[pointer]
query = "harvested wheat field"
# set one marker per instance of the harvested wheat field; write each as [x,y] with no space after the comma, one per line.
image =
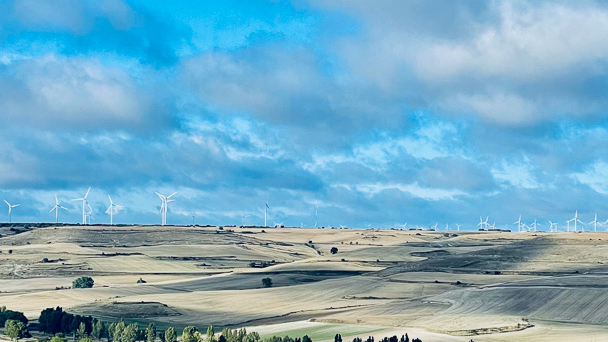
[485,286]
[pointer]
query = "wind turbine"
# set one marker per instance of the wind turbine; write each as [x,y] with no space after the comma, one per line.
[56,208]
[266,207]
[595,223]
[89,215]
[552,225]
[434,227]
[447,227]
[113,207]
[457,227]
[278,225]
[575,220]
[480,224]
[10,210]
[491,226]
[404,225]
[164,206]
[84,200]
[518,223]
[534,225]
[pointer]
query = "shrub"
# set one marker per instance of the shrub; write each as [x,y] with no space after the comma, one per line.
[267,282]
[141,281]
[334,250]
[15,329]
[83,283]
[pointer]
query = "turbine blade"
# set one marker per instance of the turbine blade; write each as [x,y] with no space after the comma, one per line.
[7,203]
[172,195]
[16,205]
[54,208]
[87,194]
[110,199]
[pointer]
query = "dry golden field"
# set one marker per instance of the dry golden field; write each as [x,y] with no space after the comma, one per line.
[485,286]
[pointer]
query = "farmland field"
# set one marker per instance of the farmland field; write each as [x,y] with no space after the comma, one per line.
[485,286]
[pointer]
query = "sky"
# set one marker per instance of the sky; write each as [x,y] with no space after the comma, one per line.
[382,112]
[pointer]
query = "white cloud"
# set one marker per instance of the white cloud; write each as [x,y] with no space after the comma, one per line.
[595,176]
[414,189]
[518,174]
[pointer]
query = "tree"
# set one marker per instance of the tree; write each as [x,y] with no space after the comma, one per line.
[119,330]
[151,333]
[97,329]
[253,337]
[267,282]
[15,329]
[81,332]
[189,334]
[170,335]
[58,338]
[83,283]
[306,339]
[334,250]
[85,339]
[338,338]
[111,329]
[130,333]
[10,314]
[210,334]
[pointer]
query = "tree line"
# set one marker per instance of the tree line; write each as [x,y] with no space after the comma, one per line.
[60,324]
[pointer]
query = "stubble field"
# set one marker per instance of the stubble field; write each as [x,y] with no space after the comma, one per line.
[439,286]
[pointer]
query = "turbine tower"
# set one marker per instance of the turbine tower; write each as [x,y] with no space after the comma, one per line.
[518,223]
[10,210]
[595,223]
[84,201]
[163,208]
[56,208]
[111,209]
[575,220]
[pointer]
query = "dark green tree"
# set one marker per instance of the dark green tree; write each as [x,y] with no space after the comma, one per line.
[83,283]
[267,282]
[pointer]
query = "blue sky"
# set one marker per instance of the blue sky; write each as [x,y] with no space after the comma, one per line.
[383,111]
